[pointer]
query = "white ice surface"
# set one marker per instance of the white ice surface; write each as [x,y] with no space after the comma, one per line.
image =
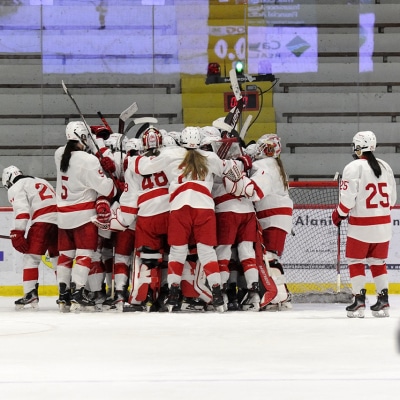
[311,352]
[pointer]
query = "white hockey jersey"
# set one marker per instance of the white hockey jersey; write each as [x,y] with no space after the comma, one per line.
[152,192]
[78,188]
[274,207]
[183,191]
[368,201]
[32,199]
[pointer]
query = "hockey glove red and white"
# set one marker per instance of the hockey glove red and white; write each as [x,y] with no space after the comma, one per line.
[103,210]
[108,164]
[18,241]
[337,218]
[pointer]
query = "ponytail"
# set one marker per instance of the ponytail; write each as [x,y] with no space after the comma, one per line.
[282,173]
[194,165]
[373,163]
[69,148]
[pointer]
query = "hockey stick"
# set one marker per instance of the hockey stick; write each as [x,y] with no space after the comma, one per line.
[132,109]
[4,237]
[245,127]
[67,92]
[234,114]
[139,121]
[338,276]
[104,121]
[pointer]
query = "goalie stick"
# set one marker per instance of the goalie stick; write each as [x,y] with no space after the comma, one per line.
[234,114]
[132,109]
[139,121]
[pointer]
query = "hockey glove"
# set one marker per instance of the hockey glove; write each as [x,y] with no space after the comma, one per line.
[108,164]
[337,218]
[103,210]
[247,162]
[117,221]
[18,241]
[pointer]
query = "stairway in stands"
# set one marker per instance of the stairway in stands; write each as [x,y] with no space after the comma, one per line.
[201,103]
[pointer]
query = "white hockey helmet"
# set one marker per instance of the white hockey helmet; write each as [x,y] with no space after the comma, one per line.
[364,141]
[209,134]
[191,137]
[116,141]
[135,145]
[9,175]
[76,130]
[169,141]
[175,135]
[269,145]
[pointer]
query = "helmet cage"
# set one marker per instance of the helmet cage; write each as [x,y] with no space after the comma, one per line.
[269,145]
[76,130]
[152,138]
[363,141]
[9,175]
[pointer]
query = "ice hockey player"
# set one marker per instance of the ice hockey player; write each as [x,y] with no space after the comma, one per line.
[267,186]
[33,200]
[367,194]
[82,191]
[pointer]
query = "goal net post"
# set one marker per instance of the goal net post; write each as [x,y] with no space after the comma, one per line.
[313,259]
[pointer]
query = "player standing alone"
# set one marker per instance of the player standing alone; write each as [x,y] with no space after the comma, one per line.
[33,200]
[367,194]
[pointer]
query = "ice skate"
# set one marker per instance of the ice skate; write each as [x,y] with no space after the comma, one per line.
[173,297]
[119,300]
[64,298]
[281,306]
[251,302]
[357,309]
[218,299]
[99,297]
[149,304]
[80,300]
[193,304]
[381,307]
[115,303]
[31,298]
[233,301]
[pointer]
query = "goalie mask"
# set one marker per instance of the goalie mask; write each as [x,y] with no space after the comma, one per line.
[9,175]
[152,138]
[191,137]
[76,130]
[364,141]
[268,145]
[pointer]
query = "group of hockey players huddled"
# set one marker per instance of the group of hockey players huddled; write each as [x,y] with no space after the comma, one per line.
[164,221]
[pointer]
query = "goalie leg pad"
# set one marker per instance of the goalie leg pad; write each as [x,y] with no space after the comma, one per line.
[283,296]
